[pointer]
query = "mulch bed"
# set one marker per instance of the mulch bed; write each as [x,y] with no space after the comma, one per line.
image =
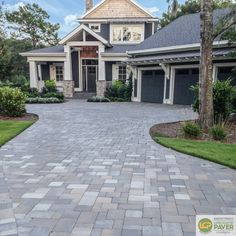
[25,117]
[173,130]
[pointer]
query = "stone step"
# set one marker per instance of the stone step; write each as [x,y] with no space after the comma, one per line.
[83,95]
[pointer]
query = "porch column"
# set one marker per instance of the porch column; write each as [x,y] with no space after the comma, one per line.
[40,77]
[33,74]
[68,87]
[101,83]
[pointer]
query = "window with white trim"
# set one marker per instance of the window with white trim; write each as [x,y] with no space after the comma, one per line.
[122,73]
[59,73]
[127,33]
[95,27]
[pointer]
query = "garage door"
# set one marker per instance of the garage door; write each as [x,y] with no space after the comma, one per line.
[184,79]
[152,86]
[225,73]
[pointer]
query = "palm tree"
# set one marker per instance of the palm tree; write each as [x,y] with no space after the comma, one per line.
[173,7]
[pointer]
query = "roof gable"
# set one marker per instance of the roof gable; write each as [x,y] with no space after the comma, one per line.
[78,30]
[116,9]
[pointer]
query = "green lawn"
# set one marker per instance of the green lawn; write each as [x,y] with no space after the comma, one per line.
[10,129]
[220,153]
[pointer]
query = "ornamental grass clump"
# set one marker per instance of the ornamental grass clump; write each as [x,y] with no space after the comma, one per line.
[191,130]
[218,132]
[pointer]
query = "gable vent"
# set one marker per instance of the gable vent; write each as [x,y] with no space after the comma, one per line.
[89,5]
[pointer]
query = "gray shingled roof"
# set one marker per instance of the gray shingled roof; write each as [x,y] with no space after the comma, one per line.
[184,30]
[120,48]
[54,49]
[178,56]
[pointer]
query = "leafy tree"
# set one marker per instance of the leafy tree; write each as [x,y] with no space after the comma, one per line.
[190,7]
[31,22]
[224,28]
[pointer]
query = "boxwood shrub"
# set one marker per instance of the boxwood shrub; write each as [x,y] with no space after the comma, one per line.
[12,102]
[98,99]
[41,100]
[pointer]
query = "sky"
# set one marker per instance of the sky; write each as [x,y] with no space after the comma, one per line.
[66,12]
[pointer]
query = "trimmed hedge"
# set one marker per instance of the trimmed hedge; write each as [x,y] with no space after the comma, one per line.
[41,100]
[98,99]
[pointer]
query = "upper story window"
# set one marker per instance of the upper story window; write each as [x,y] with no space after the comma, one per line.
[127,33]
[95,27]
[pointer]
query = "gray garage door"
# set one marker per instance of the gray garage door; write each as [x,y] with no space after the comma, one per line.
[225,73]
[153,86]
[184,79]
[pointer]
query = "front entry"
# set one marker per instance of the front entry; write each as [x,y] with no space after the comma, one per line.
[90,72]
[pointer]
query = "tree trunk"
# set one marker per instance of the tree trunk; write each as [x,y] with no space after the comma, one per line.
[206,66]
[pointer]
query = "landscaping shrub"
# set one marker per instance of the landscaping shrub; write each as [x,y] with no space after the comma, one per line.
[98,99]
[120,91]
[41,100]
[233,100]
[191,130]
[32,93]
[58,95]
[12,102]
[49,86]
[222,99]
[218,132]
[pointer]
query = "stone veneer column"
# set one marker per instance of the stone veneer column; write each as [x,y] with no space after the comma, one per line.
[68,88]
[102,86]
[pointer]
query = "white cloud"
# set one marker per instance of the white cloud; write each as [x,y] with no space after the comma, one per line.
[13,7]
[71,20]
[153,10]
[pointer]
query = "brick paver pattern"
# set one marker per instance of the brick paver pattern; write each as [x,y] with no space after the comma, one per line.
[92,169]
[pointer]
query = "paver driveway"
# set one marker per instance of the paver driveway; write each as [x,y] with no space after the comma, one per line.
[92,169]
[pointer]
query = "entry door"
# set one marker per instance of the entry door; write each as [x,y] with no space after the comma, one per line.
[90,71]
[91,78]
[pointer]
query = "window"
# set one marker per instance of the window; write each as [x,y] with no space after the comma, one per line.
[95,27]
[122,73]
[59,73]
[127,33]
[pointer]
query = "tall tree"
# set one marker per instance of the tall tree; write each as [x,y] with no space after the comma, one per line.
[192,6]
[173,7]
[206,115]
[31,22]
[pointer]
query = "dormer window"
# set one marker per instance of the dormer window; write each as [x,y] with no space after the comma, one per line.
[127,33]
[95,27]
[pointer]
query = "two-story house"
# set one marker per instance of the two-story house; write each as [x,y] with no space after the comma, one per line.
[90,57]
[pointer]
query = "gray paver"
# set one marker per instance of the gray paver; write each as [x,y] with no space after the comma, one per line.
[93,169]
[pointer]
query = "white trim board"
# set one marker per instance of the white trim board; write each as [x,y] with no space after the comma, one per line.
[27,54]
[185,47]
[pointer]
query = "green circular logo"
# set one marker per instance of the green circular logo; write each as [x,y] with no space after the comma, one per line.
[205,225]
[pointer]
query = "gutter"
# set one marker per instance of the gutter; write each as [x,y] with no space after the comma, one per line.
[26,54]
[181,48]
[114,54]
